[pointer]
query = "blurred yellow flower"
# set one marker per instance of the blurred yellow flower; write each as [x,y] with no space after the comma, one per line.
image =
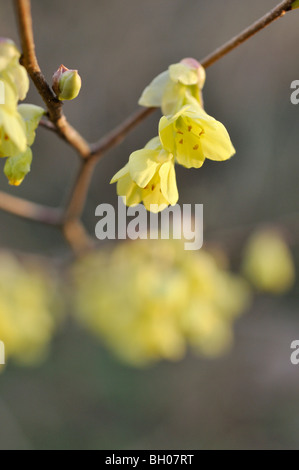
[268,262]
[29,310]
[148,300]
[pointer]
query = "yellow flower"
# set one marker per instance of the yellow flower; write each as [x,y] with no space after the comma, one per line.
[180,85]
[149,177]
[193,136]
[268,263]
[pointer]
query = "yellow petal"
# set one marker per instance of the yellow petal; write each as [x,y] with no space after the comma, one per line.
[189,152]
[153,144]
[168,183]
[184,74]
[120,174]
[16,168]
[215,142]
[154,201]
[129,190]
[31,115]
[167,136]
[152,95]
[143,165]
[173,98]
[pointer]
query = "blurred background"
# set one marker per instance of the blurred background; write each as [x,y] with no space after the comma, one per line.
[81,395]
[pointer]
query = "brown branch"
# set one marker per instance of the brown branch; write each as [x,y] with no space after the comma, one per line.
[77,237]
[79,193]
[256,27]
[30,62]
[29,210]
[116,136]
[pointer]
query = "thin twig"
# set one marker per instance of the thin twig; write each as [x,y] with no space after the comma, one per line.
[30,62]
[30,210]
[48,125]
[77,237]
[78,196]
[116,137]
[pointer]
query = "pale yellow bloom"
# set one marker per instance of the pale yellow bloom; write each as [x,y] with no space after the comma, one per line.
[31,115]
[149,177]
[193,136]
[268,262]
[180,85]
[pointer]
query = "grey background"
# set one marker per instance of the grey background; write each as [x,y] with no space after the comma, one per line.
[82,397]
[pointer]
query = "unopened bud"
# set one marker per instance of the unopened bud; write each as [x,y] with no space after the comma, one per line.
[66,83]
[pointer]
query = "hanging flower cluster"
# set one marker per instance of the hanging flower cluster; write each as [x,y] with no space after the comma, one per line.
[17,122]
[30,309]
[150,301]
[187,136]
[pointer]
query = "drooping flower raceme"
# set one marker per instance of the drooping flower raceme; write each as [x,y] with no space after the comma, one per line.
[17,123]
[187,136]
[30,309]
[151,300]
